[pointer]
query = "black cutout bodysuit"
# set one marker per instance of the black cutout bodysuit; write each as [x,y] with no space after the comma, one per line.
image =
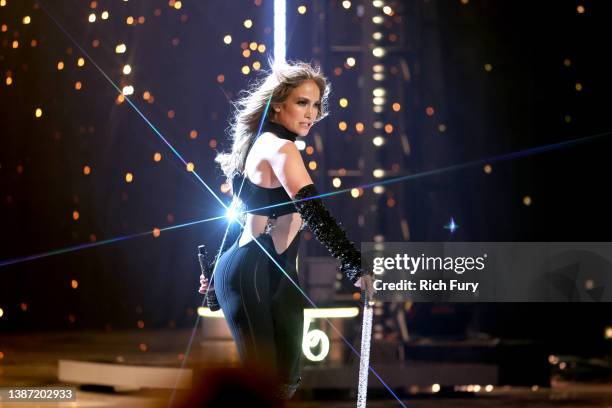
[263,308]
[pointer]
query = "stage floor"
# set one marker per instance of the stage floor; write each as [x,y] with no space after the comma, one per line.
[31,359]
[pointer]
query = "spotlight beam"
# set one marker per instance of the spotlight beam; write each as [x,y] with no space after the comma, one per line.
[79,247]
[499,158]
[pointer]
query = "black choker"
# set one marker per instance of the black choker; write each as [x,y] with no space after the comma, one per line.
[279,130]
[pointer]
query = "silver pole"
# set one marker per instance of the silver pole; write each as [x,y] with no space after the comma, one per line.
[364,361]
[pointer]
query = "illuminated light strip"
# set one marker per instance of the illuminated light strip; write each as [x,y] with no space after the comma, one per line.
[309,313]
[99,243]
[280,21]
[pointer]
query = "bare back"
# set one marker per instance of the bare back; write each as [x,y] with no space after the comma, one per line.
[274,162]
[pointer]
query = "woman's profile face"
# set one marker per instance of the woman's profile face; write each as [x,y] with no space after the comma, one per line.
[301,108]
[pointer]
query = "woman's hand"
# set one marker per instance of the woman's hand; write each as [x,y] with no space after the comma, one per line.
[367,282]
[203,284]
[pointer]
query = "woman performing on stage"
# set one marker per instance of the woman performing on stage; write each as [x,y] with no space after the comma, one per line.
[263,308]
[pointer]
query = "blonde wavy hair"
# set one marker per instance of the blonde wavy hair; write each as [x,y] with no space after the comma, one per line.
[275,86]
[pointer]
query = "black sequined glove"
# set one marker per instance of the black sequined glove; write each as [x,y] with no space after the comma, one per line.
[207,266]
[328,231]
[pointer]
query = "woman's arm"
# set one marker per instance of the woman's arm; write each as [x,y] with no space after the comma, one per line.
[290,170]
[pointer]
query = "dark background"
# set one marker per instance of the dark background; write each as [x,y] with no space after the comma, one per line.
[528,99]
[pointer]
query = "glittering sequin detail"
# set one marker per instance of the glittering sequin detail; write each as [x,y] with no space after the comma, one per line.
[208,266]
[328,231]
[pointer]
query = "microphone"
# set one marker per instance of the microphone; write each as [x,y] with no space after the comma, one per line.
[207,269]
